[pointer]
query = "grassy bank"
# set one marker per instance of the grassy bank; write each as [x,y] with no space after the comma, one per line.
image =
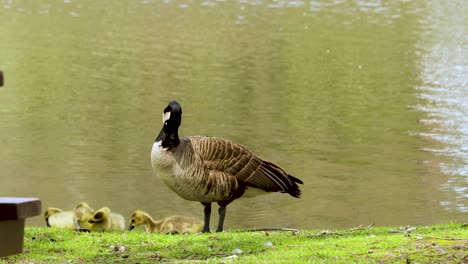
[429,244]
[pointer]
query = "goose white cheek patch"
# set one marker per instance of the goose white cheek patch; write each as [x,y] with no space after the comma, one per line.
[166,117]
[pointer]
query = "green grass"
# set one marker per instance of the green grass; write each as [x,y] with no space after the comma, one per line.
[428,244]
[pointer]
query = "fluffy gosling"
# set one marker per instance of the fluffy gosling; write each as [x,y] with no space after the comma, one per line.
[74,220]
[169,225]
[81,216]
[55,217]
[84,218]
[104,220]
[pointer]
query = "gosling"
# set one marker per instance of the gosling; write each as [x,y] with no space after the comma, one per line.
[81,216]
[84,218]
[55,217]
[170,225]
[74,220]
[104,220]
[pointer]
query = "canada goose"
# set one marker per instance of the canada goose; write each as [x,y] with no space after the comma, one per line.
[210,169]
[104,220]
[169,225]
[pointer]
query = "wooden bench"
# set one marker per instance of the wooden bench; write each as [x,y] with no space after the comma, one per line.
[13,213]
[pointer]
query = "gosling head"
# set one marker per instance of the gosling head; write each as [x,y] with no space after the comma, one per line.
[50,211]
[83,212]
[172,117]
[138,218]
[82,205]
[100,215]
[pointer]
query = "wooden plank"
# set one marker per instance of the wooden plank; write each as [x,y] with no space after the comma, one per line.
[13,213]
[13,208]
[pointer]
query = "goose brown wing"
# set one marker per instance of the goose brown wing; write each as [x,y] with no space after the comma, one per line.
[223,155]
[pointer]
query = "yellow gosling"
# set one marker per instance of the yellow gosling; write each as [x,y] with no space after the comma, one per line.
[140,218]
[50,211]
[104,220]
[82,214]
[84,218]
[181,225]
[169,225]
[76,219]
[57,218]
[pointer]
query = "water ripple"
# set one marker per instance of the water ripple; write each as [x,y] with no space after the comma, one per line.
[444,90]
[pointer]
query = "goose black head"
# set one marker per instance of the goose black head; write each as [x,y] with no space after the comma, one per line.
[172,117]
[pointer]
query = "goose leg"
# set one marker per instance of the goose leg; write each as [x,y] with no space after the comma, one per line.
[207,212]
[222,214]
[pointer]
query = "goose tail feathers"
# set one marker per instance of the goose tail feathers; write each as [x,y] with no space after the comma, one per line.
[272,178]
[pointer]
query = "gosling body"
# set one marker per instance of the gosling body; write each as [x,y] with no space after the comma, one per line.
[57,218]
[104,220]
[84,218]
[175,224]
[74,220]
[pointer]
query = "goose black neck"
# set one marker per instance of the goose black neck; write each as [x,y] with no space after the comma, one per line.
[172,117]
[168,140]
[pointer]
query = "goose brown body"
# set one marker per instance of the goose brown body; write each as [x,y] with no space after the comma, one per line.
[211,169]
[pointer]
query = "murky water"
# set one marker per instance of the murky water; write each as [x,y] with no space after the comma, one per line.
[364,101]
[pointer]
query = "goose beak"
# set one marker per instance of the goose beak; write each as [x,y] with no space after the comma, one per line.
[130,228]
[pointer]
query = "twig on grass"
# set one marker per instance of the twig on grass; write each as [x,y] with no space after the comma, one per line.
[329,232]
[273,229]
[444,238]
[361,227]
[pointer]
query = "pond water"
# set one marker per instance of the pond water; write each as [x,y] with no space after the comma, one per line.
[365,101]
